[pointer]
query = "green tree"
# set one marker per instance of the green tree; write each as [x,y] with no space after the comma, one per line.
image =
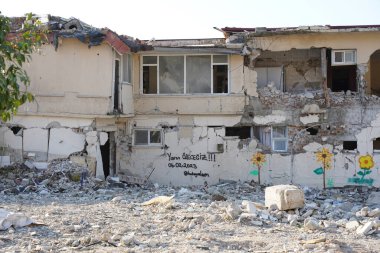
[16,48]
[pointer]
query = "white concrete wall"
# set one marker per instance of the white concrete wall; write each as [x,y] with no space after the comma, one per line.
[235,162]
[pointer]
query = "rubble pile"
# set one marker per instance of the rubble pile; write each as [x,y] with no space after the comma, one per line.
[61,175]
[228,217]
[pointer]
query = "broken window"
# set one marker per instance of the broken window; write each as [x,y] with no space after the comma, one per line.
[198,74]
[147,137]
[243,132]
[150,74]
[350,145]
[376,144]
[187,74]
[116,86]
[127,68]
[341,72]
[275,137]
[269,75]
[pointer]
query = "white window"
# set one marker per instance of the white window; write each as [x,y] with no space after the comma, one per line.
[147,137]
[185,74]
[274,137]
[279,139]
[343,57]
[127,68]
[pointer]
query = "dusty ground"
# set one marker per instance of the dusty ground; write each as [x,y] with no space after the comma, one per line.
[112,219]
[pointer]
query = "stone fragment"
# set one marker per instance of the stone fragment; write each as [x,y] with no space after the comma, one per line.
[233,211]
[352,225]
[249,206]
[374,213]
[373,198]
[218,197]
[312,224]
[285,197]
[158,200]
[363,230]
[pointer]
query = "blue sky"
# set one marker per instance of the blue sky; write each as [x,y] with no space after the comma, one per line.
[175,19]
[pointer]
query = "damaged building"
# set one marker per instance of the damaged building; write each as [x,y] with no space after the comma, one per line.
[192,112]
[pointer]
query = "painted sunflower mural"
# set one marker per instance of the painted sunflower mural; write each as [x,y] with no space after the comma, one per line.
[323,156]
[258,160]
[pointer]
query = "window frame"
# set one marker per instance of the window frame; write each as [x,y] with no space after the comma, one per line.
[344,51]
[123,81]
[149,144]
[157,65]
[280,139]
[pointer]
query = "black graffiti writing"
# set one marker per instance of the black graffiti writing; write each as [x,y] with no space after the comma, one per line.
[196,174]
[172,158]
[200,156]
[182,165]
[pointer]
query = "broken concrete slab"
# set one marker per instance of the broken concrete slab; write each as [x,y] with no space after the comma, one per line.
[284,197]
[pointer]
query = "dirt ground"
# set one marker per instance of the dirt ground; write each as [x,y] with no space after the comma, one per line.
[114,220]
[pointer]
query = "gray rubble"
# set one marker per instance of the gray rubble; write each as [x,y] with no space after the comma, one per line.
[112,216]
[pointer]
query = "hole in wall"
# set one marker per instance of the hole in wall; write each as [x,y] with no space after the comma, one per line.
[376,144]
[350,145]
[312,130]
[15,129]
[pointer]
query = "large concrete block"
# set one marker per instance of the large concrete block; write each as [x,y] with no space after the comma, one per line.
[35,140]
[284,197]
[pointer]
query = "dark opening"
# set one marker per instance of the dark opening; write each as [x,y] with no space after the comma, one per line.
[350,145]
[16,129]
[340,78]
[105,151]
[220,78]
[243,132]
[376,144]
[73,27]
[375,73]
[312,130]
[150,79]
[116,86]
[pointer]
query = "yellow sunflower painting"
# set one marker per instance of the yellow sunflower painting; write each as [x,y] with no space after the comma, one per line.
[323,156]
[258,160]
[366,162]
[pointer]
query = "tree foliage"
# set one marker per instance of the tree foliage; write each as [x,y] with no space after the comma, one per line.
[16,48]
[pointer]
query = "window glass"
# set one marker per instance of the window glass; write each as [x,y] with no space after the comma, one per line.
[339,56]
[150,79]
[141,137]
[279,132]
[279,145]
[220,79]
[266,75]
[171,74]
[220,59]
[198,74]
[150,60]
[155,136]
[127,68]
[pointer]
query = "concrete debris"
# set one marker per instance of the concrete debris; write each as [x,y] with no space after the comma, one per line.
[158,200]
[284,197]
[110,216]
[17,220]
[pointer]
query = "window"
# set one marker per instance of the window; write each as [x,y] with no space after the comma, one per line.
[185,74]
[376,144]
[279,139]
[267,75]
[127,68]
[350,145]
[242,132]
[147,137]
[343,57]
[274,137]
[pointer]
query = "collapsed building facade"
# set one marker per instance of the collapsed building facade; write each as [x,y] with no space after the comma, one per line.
[190,112]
